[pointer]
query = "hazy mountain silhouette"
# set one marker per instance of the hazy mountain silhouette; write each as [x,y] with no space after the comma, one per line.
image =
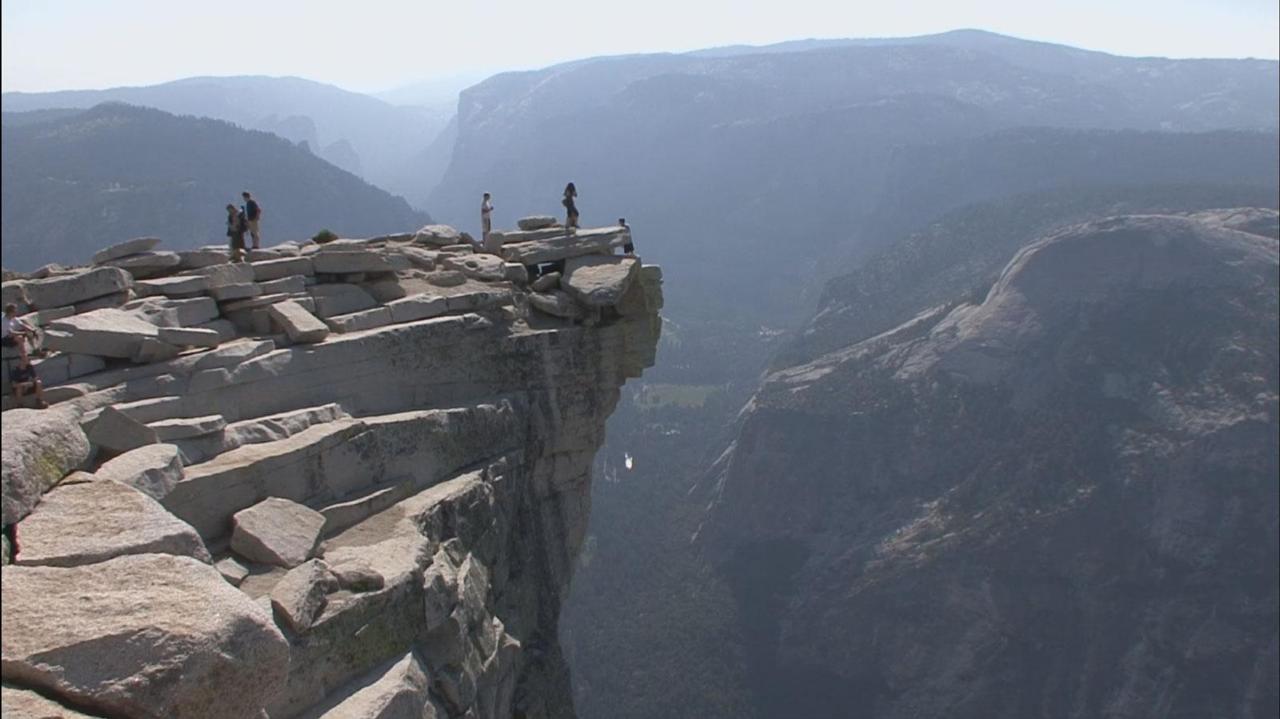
[80,182]
[356,132]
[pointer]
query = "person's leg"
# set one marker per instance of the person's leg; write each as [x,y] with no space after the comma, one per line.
[38,388]
[257,237]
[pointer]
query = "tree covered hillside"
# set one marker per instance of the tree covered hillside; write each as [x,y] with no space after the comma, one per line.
[113,172]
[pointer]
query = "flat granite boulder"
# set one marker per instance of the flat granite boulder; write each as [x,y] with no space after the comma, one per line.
[487,268]
[299,598]
[146,264]
[124,249]
[536,222]
[556,303]
[276,531]
[349,261]
[62,290]
[149,635]
[153,469]
[177,285]
[599,280]
[189,336]
[116,431]
[91,522]
[300,325]
[107,333]
[401,690]
[38,448]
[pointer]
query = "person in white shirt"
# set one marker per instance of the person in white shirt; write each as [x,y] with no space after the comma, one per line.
[486,221]
[14,332]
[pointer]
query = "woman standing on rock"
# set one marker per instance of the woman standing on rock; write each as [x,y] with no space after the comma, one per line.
[571,208]
[237,225]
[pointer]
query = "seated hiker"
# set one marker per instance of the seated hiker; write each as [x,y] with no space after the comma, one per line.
[23,378]
[237,225]
[15,332]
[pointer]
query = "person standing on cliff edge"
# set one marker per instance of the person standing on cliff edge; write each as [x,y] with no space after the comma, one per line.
[486,221]
[570,208]
[253,213]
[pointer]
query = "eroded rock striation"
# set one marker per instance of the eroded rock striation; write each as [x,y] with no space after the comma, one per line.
[338,483]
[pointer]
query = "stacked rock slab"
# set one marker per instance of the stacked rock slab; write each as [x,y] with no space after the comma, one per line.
[365,497]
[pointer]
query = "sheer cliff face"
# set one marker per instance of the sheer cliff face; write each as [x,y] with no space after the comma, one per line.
[1058,501]
[447,461]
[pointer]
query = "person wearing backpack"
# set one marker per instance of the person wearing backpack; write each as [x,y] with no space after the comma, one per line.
[253,213]
[237,225]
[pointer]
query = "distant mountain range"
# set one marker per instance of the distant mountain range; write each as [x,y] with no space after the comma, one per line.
[77,181]
[364,135]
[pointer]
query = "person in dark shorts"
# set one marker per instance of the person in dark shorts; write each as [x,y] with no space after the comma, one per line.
[628,249]
[237,225]
[253,213]
[23,378]
[570,208]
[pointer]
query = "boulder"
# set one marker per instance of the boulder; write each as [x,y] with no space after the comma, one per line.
[446,278]
[299,597]
[118,432]
[596,241]
[557,303]
[340,299]
[234,353]
[21,704]
[124,249]
[231,570]
[189,337]
[599,281]
[91,522]
[516,273]
[176,286]
[438,235]
[15,292]
[291,284]
[152,349]
[356,321]
[300,325]
[105,332]
[544,283]
[221,275]
[115,299]
[416,307]
[356,575]
[236,291]
[150,635]
[536,222]
[153,469]
[400,689]
[349,261]
[276,531]
[204,257]
[186,427]
[164,312]
[64,290]
[284,267]
[37,449]
[146,264]
[487,268]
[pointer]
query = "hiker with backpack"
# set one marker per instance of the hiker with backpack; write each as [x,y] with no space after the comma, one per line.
[252,213]
[237,225]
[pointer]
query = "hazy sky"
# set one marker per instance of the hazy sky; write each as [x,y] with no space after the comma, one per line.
[370,45]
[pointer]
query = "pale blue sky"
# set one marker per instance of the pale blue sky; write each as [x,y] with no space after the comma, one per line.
[371,45]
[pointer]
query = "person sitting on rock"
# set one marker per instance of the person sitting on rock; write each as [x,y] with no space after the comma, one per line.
[237,225]
[23,378]
[14,332]
[571,208]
